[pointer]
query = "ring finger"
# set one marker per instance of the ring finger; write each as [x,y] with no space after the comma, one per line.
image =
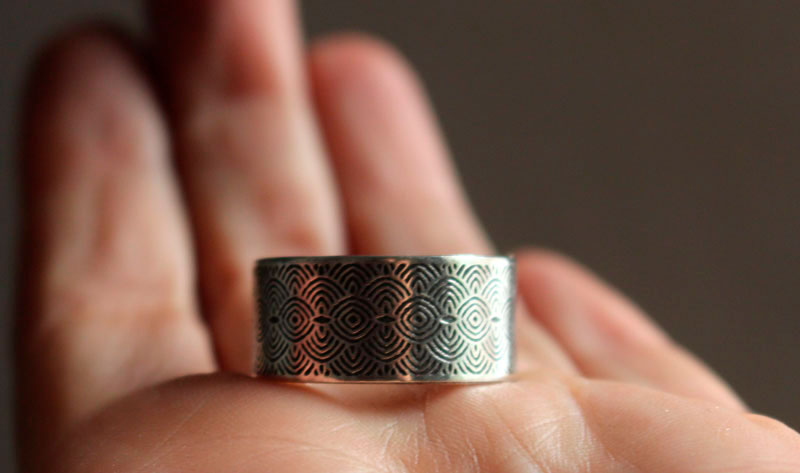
[399,189]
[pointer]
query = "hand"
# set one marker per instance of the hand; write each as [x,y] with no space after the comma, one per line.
[123,368]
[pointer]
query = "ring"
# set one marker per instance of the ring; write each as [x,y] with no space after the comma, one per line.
[384,319]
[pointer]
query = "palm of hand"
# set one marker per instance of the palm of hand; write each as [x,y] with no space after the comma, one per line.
[115,363]
[538,422]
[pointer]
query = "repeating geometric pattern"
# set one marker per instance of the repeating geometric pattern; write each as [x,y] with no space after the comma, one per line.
[445,318]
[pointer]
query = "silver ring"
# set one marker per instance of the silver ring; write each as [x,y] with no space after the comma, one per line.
[383,319]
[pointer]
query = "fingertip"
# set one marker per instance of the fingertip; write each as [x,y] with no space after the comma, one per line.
[230,49]
[87,82]
[775,426]
[356,60]
[360,78]
[67,60]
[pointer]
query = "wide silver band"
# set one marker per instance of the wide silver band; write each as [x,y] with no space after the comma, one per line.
[385,318]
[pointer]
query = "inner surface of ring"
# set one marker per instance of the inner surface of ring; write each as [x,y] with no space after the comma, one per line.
[385,319]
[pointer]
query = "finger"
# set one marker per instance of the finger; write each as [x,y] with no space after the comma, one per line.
[400,191]
[107,283]
[652,431]
[606,335]
[254,172]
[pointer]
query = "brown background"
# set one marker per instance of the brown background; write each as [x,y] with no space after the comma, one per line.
[655,141]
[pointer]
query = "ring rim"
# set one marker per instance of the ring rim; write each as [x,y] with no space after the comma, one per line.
[387,258]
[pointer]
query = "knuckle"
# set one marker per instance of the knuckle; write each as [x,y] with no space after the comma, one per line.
[91,304]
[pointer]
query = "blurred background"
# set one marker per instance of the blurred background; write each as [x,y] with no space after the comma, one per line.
[658,142]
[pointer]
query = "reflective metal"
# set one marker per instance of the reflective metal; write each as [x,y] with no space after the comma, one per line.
[385,318]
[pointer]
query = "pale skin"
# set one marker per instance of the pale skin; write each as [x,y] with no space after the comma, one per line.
[144,215]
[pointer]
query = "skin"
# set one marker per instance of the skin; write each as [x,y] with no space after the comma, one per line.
[144,212]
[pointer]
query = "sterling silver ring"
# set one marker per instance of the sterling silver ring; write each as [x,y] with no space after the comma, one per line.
[384,319]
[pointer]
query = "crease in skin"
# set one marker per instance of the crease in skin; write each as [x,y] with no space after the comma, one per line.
[430,435]
[530,452]
[256,462]
[473,454]
[386,439]
[274,443]
[475,457]
[192,414]
[623,462]
[562,440]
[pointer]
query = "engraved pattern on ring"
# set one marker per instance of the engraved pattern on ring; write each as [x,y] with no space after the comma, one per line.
[447,318]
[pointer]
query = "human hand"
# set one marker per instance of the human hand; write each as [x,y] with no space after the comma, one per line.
[117,370]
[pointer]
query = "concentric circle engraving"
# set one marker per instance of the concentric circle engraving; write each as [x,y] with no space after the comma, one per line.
[385,319]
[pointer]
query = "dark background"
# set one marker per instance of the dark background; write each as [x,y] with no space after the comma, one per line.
[658,142]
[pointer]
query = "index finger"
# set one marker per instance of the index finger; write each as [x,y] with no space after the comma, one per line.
[107,302]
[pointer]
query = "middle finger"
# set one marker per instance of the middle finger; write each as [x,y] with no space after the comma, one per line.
[253,169]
